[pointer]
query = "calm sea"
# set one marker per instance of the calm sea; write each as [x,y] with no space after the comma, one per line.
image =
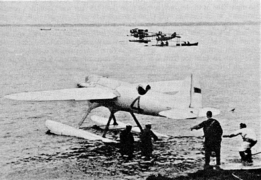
[227,62]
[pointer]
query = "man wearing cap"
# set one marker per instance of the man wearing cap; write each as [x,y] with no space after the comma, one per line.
[213,137]
[249,140]
[146,142]
[126,142]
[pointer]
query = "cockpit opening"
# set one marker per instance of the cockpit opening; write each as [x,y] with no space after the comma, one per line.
[143,91]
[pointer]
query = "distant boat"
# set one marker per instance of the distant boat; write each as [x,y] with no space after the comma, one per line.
[187,44]
[140,40]
[161,45]
[45,29]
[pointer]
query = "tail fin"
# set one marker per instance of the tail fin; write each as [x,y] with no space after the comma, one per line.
[189,95]
[188,102]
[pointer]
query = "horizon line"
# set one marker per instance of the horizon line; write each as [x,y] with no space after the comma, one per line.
[134,24]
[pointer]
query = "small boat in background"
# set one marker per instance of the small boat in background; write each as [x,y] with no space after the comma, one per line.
[187,44]
[45,29]
[140,40]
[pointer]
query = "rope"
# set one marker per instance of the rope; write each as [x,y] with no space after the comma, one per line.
[256,153]
[236,176]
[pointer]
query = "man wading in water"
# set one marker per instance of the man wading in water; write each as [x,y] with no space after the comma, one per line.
[146,142]
[213,137]
[249,140]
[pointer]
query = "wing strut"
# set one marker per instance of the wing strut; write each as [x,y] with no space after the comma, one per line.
[91,106]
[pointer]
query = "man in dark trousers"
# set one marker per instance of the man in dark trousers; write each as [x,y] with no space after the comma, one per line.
[146,142]
[213,137]
[126,142]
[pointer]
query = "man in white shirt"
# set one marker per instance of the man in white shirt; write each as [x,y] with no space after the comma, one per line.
[249,140]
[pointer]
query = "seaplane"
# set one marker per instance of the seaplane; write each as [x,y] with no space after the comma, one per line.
[177,99]
[165,38]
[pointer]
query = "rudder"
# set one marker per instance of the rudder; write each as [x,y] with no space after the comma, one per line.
[189,95]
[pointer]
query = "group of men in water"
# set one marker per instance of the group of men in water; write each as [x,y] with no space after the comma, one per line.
[127,142]
[212,133]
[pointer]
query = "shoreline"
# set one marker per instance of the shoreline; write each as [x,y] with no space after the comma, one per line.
[173,158]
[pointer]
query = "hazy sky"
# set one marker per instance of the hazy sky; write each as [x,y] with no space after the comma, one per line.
[146,11]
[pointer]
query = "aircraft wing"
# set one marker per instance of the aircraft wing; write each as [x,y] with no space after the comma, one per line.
[76,94]
[168,87]
[179,113]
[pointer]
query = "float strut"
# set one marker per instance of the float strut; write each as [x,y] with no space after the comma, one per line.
[137,122]
[108,124]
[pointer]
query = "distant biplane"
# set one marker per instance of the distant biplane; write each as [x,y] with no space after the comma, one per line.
[165,38]
[142,35]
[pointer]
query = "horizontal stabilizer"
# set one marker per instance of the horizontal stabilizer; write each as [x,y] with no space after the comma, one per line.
[65,94]
[63,129]
[189,113]
[121,125]
[179,113]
